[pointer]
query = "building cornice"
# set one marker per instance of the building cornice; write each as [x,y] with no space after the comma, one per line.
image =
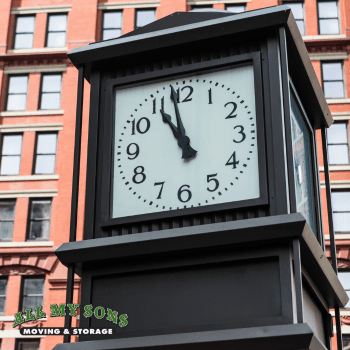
[32,113]
[127,4]
[210,2]
[11,178]
[31,127]
[39,50]
[29,193]
[35,69]
[320,56]
[40,9]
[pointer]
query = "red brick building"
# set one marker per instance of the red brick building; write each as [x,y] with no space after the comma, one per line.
[37,123]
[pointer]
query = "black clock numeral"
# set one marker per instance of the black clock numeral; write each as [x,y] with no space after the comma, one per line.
[139,172]
[234,162]
[136,153]
[215,180]
[161,189]
[138,126]
[187,99]
[210,97]
[240,132]
[233,110]
[181,191]
[155,105]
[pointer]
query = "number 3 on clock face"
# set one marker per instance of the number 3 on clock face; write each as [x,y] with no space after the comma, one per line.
[185,143]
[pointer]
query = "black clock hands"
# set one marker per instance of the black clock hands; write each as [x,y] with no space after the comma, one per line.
[179,132]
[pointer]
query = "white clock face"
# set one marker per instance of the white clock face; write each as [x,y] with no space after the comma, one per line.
[212,159]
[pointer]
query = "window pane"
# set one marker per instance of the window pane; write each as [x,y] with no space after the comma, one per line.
[39,230]
[18,84]
[41,209]
[3,283]
[28,345]
[32,302]
[33,286]
[297,10]
[341,201]
[329,26]
[337,133]
[46,143]
[25,24]
[346,339]
[2,305]
[338,154]
[332,71]
[111,34]
[56,39]
[12,145]
[6,230]
[45,164]
[112,20]
[24,41]
[236,9]
[300,24]
[51,101]
[10,165]
[57,23]
[344,278]
[200,8]
[333,89]
[144,17]
[7,212]
[52,83]
[341,222]
[16,102]
[327,9]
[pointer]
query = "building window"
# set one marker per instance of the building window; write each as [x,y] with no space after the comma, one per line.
[32,292]
[298,13]
[56,31]
[344,278]
[11,154]
[28,344]
[45,154]
[338,146]
[112,25]
[236,8]
[328,17]
[333,79]
[200,8]
[3,287]
[346,341]
[341,211]
[7,218]
[144,17]
[24,32]
[50,94]
[39,219]
[17,93]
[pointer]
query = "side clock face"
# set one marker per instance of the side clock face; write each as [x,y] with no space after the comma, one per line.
[185,143]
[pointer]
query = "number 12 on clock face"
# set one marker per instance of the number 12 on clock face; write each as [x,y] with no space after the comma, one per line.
[186,142]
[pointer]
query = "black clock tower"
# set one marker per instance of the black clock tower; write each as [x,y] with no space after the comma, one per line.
[202,215]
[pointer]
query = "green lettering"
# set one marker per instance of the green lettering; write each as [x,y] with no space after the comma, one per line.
[123,320]
[112,316]
[72,309]
[39,312]
[57,311]
[103,312]
[88,311]
[29,315]
[18,319]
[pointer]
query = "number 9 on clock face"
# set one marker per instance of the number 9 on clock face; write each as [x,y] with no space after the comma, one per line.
[186,142]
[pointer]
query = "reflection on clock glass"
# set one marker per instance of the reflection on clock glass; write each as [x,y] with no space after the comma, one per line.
[185,143]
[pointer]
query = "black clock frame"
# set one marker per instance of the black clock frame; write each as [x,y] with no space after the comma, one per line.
[114,84]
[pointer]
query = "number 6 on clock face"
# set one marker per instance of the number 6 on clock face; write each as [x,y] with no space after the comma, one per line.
[186,142]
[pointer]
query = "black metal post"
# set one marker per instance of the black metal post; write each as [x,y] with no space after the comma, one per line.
[75,194]
[331,229]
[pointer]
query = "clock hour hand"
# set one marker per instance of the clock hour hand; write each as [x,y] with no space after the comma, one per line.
[167,119]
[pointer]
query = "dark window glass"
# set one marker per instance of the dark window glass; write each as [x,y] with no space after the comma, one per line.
[332,79]
[144,17]
[28,344]
[24,33]
[338,147]
[201,7]
[236,8]
[32,293]
[341,211]
[45,154]
[50,97]
[3,287]
[346,342]
[17,93]
[328,17]
[11,154]
[39,219]
[56,31]
[7,217]
[344,278]
[112,25]
[298,13]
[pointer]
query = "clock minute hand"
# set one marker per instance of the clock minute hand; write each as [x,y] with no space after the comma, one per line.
[180,126]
